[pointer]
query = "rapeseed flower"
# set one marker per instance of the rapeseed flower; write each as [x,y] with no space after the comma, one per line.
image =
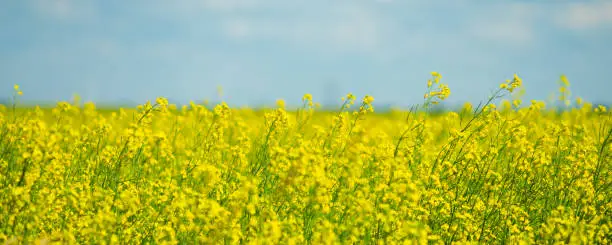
[154,174]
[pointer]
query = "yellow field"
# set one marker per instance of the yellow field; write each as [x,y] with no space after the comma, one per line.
[161,174]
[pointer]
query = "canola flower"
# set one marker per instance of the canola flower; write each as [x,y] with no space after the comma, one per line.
[203,174]
[433,95]
[564,92]
[17,90]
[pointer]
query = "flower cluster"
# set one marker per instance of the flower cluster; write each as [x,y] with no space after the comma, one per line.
[435,95]
[511,85]
[17,90]
[564,92]
[78,174]
[366,105]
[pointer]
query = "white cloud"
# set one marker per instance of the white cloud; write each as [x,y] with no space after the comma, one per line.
[362,27]
[340,27]
[237,29]
[507,23]
[586,15]
[505,31]
[229,4]
[64,9]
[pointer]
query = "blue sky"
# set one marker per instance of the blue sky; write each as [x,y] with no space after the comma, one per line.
[259,51]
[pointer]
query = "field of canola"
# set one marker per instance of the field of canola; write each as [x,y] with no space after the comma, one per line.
[512,173]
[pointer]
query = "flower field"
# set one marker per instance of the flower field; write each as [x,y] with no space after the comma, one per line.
[498,172]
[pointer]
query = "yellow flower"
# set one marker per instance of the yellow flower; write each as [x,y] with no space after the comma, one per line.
[579,101]
[350,97]
[602,108]
[17,90]
[564,81]
[241,175]
[368,99]
[280,103]
[307,97]
[161,101]
[517,81]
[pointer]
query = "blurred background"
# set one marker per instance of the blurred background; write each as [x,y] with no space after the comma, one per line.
[127,52]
